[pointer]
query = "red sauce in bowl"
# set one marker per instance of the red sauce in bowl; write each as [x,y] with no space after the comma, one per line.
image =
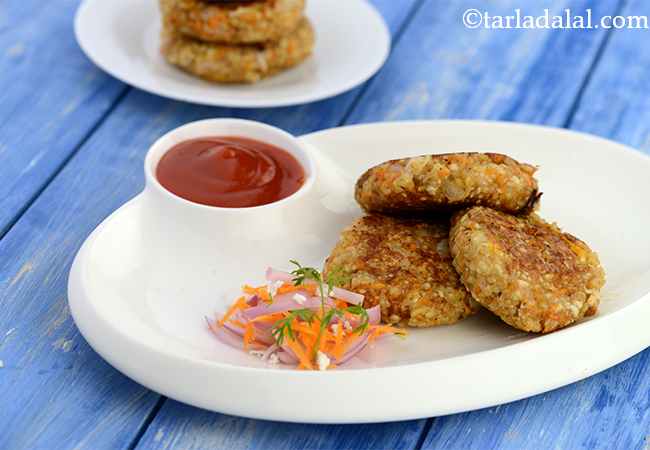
[229,172]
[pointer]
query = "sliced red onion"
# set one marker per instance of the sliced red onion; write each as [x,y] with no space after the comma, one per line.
[263,334]
[232,338]
[264,326]
[233,328]
[287,358]
[225,336]
[287,349]
[374,315]
[347,296]
[342,294]
[354,349]
[262,330]
[269,351]
[253,300]
[281,303]
[278,275]
[238,317]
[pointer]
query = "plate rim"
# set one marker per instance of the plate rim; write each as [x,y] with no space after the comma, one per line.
[248,104]
[637,341]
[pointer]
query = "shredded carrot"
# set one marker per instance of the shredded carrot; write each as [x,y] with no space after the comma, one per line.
[239,304]
[269,318]
[315,326]
[328,346]
[306,334]
[287,287]
[313,336]
[308,341]
[303,329]
[338,342]
[250,290]
[348,341]
[249,336]
[237,323]
[261,291]
[300,353]
[383,329]
[378,330]
[303,332]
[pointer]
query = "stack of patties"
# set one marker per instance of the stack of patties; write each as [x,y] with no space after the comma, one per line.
[235,41]
[445,233]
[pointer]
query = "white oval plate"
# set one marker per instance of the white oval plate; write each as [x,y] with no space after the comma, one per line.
[139,295]
[122,38]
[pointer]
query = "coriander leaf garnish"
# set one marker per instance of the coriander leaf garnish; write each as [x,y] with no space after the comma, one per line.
[324,323]
[282,327]
[365,319]
[326,284]
[301,274]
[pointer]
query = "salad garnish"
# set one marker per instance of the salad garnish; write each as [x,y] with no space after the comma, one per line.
[301,318]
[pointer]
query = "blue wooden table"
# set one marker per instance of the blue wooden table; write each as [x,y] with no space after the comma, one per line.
[72,141]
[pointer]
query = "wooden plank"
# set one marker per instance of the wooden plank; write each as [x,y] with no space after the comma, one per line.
[56,392]
[607,411]
[616,102]
[610,410]
[52,97]
[445,70]
[533,86]
[172,429]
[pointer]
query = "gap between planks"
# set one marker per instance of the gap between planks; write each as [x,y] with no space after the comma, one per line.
[147,422]
[599,54]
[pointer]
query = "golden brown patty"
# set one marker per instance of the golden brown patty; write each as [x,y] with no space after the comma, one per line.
[447,182]
[236,23]
[403,265]
[525,270]
[237,64]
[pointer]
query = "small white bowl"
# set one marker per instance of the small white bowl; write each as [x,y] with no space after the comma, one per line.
[228,127]
[212,228]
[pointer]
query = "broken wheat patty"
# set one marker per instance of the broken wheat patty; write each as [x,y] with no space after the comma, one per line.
[404,266]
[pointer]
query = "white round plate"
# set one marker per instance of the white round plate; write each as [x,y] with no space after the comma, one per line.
[122,38]
[139,292]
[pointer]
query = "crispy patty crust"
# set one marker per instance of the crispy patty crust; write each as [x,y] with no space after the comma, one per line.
[403,265]
[235,23]
[447,182]
[525,270]
[237,64]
